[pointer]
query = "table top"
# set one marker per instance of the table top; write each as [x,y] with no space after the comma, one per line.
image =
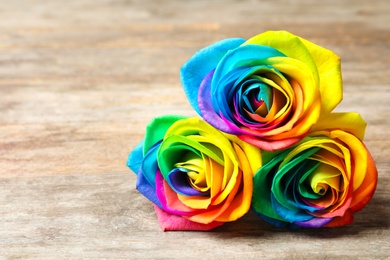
[79,81]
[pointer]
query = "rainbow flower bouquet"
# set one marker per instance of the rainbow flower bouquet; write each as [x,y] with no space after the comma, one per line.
[266,140]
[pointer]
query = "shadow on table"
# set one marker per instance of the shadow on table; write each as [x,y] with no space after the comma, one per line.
[373,218]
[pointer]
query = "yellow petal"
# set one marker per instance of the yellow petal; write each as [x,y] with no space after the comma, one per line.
[350,122]
[325,174]
[329,70]
[251,152]
[290,45]
[242,201]
[324,64]
[194,202]
[358,153]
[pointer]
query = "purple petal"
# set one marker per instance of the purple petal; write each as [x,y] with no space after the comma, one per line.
[147,189]
[206,108]
[179,183]
[314,222]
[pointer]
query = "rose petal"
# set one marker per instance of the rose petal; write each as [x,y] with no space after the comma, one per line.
[168,198]
[346,219]
[149,164]
[241,203]
[269,145]
[364,193]
[329,69]
[290,45]
[245,56]
[157,128]
[314,223]
[147,189]
[206,107]
[135,158]
[350,122]
[262,182]
[199,65]
[169,222]
[179,183]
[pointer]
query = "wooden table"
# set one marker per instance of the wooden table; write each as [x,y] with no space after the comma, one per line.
[79,80]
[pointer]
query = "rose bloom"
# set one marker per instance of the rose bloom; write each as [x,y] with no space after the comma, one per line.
[268,90]
[321,181]
[197,177]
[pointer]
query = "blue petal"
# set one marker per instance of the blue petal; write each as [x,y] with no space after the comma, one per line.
[147,189]
[149,164]
[234,67]
[135,158]
[289,215]
[223,93]
[245,56]
[199,65]
[228,86]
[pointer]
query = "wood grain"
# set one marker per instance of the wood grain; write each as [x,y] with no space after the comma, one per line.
[79,80]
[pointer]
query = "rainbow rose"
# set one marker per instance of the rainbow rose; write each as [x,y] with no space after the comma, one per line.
[197,177]
[268,90]
[322,180]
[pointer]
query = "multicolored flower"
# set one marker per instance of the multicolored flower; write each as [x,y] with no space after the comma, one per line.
[197,177]
[321,181]
[268,90]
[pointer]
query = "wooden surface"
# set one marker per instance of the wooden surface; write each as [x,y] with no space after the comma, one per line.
[79,80]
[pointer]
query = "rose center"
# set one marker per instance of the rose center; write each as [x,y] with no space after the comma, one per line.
[257,98]
[192,165]
[324,182]
[257,101]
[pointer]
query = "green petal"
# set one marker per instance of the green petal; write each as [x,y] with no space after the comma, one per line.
[262,183]
[156,129]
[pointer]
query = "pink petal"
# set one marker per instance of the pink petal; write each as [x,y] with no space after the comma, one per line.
[169,222]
